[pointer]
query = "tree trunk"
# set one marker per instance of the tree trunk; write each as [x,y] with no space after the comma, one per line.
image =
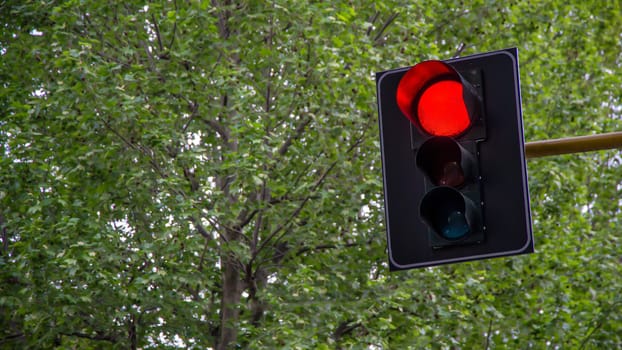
[231,293]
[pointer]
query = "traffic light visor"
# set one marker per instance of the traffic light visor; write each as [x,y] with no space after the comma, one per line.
[433,97]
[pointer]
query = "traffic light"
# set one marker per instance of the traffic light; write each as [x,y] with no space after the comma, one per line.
[454,172]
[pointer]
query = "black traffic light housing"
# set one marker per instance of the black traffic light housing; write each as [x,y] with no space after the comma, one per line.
[455,179]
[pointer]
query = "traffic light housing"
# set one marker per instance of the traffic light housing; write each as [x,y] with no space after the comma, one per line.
[452,144]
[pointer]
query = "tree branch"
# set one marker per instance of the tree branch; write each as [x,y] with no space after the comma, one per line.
[459,50]
[223,18]
[202,231]
[4,237]
[296,212]
[294,136]
[345,328]
[170,44]
[599,323]
[282,252]
[259,221]
[202,259]
[384,27]
[243,221]
[315,187]
[12,337]
[371,21]
[156,29]
[488,334]
[100,336]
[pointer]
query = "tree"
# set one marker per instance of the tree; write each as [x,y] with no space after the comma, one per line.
[207,175]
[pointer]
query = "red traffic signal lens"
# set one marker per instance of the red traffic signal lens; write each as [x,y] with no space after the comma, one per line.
[441,109]
[433,96]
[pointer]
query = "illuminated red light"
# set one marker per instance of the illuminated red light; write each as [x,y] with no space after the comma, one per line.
[431,96]
[441,109]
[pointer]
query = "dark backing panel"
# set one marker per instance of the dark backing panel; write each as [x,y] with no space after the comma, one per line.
[502,166]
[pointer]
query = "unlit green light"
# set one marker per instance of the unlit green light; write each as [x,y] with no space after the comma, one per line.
[456,226]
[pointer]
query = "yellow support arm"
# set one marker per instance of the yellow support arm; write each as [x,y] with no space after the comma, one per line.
[578,144]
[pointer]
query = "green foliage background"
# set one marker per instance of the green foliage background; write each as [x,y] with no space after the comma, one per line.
[207,175]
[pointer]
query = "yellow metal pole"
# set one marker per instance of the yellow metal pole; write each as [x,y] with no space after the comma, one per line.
[578,144]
